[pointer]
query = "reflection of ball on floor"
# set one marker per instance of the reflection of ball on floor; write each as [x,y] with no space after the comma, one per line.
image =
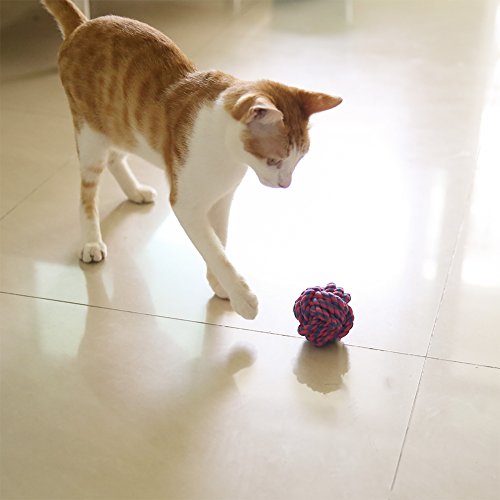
[324,314]
[322,370]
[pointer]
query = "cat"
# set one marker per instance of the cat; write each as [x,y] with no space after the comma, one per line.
[132,90]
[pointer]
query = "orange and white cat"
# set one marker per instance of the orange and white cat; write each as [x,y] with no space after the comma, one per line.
[132,90]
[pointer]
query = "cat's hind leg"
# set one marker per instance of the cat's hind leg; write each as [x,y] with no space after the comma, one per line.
[135,192]
[93,151]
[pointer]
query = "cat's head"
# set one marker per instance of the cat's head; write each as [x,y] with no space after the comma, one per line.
[274,127]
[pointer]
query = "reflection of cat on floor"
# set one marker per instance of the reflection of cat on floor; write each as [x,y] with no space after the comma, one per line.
[162,384]
[322,369]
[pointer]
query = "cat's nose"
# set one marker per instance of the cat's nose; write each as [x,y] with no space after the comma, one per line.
[285,183]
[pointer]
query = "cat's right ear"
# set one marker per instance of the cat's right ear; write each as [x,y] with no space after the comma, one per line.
[252,109]
[263,111]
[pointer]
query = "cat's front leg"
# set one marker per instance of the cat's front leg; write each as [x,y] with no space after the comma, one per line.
[197,226]
[216,286]
[219,219]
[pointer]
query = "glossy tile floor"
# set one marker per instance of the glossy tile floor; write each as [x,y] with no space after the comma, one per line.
[127,380]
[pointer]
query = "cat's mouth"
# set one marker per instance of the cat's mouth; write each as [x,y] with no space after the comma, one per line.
[273,184]
[285,183]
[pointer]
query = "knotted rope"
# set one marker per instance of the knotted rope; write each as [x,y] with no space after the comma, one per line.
[324,314]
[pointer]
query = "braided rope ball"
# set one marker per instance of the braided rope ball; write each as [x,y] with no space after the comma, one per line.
[324,314]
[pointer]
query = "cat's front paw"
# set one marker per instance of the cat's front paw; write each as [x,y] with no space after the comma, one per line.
[143,194]
[216,286]
[245,303]
[94,252]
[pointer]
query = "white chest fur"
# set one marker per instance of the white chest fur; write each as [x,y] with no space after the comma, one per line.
[212,169]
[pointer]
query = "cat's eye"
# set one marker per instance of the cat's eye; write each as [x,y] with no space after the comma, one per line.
[273,162]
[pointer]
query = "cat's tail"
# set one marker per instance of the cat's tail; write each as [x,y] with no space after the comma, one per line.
[67,15]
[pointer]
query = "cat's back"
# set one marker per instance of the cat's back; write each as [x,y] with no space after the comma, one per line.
[115,72]
[109,42]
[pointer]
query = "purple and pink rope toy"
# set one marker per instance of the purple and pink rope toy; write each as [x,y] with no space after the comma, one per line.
[324,314]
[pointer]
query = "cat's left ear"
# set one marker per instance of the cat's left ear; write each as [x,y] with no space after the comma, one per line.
[315,102]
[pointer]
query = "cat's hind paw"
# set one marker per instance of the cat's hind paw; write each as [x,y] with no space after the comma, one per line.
[245,303]
[94,252]
[143,194]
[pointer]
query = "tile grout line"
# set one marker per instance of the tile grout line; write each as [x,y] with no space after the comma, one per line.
[427,357]
[467,363]
[173,318]
[407,427]
[251,330]
[448,274]
[64,164]
[126,311]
